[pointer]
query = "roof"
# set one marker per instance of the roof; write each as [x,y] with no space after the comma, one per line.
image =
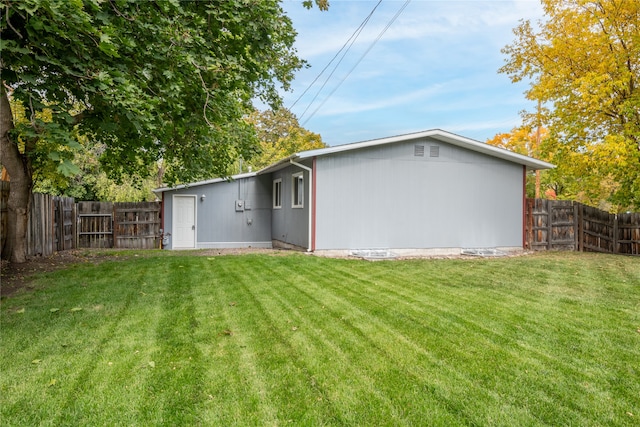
[208,181]
[437,134]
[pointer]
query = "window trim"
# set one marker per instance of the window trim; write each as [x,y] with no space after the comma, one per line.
[276,198]
[298,178]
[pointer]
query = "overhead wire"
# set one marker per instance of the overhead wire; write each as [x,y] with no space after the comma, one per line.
[350,41]
[384,30]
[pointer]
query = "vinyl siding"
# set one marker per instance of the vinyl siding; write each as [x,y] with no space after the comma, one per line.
[219,224]
[291,225]
[386,197]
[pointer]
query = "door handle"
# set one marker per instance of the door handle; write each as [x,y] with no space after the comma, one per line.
[193,227]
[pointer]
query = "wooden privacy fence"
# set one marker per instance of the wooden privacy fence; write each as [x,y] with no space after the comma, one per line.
[118,225]
[57,224]
[567,225]
[51,222]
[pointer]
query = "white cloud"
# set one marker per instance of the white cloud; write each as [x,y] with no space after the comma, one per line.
[436,66]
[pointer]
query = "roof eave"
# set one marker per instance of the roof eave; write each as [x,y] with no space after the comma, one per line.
[441,135]
[205,182]
[281,164]
[501,153]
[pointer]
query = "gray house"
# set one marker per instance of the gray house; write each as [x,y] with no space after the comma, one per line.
[429,192]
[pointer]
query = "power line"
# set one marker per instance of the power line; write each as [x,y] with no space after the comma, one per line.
[384,30]
[350,41]
[329,76]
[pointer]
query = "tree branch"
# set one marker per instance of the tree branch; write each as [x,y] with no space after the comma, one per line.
[9,23]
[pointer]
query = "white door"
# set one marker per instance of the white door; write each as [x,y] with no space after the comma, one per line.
[184,222]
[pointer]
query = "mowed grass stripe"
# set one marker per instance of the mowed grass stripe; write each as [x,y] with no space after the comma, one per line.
[375,349]
[305,325]
[282,359]
[123,366]
[73,347]
[414,357]
[176,362]
[547,357]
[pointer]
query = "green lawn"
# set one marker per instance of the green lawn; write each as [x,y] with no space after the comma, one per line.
[176,339]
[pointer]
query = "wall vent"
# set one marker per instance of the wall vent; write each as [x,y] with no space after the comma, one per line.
[418,151]
[434,151]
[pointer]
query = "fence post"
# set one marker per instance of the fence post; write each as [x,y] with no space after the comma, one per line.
[60,231]
[530,223]
[549,225]
[74,225]
[576,241]
[615,234]
[114,225]
[581,227]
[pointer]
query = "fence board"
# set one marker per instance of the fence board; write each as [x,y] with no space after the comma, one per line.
[41,227]
[65,232]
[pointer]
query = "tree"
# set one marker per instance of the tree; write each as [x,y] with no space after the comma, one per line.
[280,135]
[149,80]
[584,66]
[593,175]
[92,183]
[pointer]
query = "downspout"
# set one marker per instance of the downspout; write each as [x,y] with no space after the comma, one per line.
[314,181]
[310,233]
[524,207]
[162,205]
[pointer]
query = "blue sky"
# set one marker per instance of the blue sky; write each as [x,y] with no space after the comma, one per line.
[435,67]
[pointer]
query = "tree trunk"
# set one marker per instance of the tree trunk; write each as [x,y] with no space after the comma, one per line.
[18,166]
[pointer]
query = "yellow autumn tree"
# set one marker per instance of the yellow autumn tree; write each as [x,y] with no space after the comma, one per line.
[280,135]
[583,62]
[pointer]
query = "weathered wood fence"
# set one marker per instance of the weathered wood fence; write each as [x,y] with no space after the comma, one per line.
[119,225]
[58,223]
[567,225]
[51,223]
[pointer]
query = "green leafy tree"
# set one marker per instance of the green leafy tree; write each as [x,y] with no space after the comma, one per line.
[280,135]
[149,80]
[92,183]
[584,66]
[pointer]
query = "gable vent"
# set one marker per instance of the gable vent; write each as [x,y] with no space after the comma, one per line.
[418,151]
[434,151]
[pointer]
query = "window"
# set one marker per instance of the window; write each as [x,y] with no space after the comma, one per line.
[277,194]
[297,191]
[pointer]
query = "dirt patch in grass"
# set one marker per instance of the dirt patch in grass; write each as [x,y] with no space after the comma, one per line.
[14,277]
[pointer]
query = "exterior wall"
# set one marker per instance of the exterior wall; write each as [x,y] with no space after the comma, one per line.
[291,225]
[385,197]
[218,223]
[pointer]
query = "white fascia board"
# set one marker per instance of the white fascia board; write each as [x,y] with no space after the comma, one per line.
[491,150]
[280,164]
[209,181]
